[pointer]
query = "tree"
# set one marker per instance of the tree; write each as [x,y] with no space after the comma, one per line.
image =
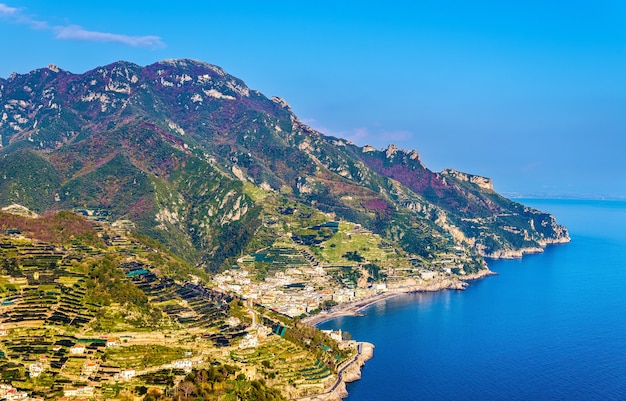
[353,256]
[187,388]
[141,390]
[373,270]
[327,304]
[201,376]
[241,388]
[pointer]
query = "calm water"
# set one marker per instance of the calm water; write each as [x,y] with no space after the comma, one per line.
[548,327]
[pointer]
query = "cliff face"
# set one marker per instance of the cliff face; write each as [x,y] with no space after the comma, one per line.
[482,182]
[195,158]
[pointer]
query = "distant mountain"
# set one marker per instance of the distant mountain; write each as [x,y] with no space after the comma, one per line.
[214,170]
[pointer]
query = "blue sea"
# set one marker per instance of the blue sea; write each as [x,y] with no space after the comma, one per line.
[550,326]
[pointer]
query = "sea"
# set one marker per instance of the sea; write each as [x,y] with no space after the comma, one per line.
[549,326]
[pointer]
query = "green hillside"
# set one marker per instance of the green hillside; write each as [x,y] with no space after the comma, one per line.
[134,307]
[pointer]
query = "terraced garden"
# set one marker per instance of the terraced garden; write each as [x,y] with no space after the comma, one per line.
[74,315]
[284,364]
[44,306]
[140,356]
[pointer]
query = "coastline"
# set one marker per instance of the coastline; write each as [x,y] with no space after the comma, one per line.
[519,253]
[352,370]
[353,308]
[348,373]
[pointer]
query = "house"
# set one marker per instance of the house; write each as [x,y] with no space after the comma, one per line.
[250,372]
[90,368]
[249,341]
[77,349]
[14,394]
[35,369]
[4,388]
[112,342]
[9,393]
[427,274]
[380,287]
[85,390]
[335,335]
[78,391]
[127,374]
[184,364]
[3,331]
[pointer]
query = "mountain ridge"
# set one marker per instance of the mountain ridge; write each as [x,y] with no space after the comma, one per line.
[133,139]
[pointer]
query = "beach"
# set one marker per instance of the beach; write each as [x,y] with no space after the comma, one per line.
[353,308]
[347,309]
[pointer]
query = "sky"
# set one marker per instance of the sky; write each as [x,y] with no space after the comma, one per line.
[529,93]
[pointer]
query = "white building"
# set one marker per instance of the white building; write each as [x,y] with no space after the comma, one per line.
[249,341]
[127,374]
[78,391]
[380,287]
[35,369]
[77,349]
[90,368]
[335,335]
[14,394]
[184,364]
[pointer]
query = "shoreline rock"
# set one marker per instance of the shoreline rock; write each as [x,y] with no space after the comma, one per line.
[519,253]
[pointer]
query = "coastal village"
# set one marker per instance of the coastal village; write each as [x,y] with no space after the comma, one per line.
[302,285]
[49,340]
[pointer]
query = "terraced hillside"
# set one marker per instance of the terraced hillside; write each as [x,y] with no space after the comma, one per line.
[101,320]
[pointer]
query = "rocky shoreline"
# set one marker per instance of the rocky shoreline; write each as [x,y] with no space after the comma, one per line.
[346,374]
[518,253]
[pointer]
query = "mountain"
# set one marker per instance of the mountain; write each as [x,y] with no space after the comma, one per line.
[215,170]
[141,206]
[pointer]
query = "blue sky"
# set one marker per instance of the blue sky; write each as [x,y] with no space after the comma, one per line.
[529,93]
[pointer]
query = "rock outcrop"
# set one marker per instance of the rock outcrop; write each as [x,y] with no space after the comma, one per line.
[482,182]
